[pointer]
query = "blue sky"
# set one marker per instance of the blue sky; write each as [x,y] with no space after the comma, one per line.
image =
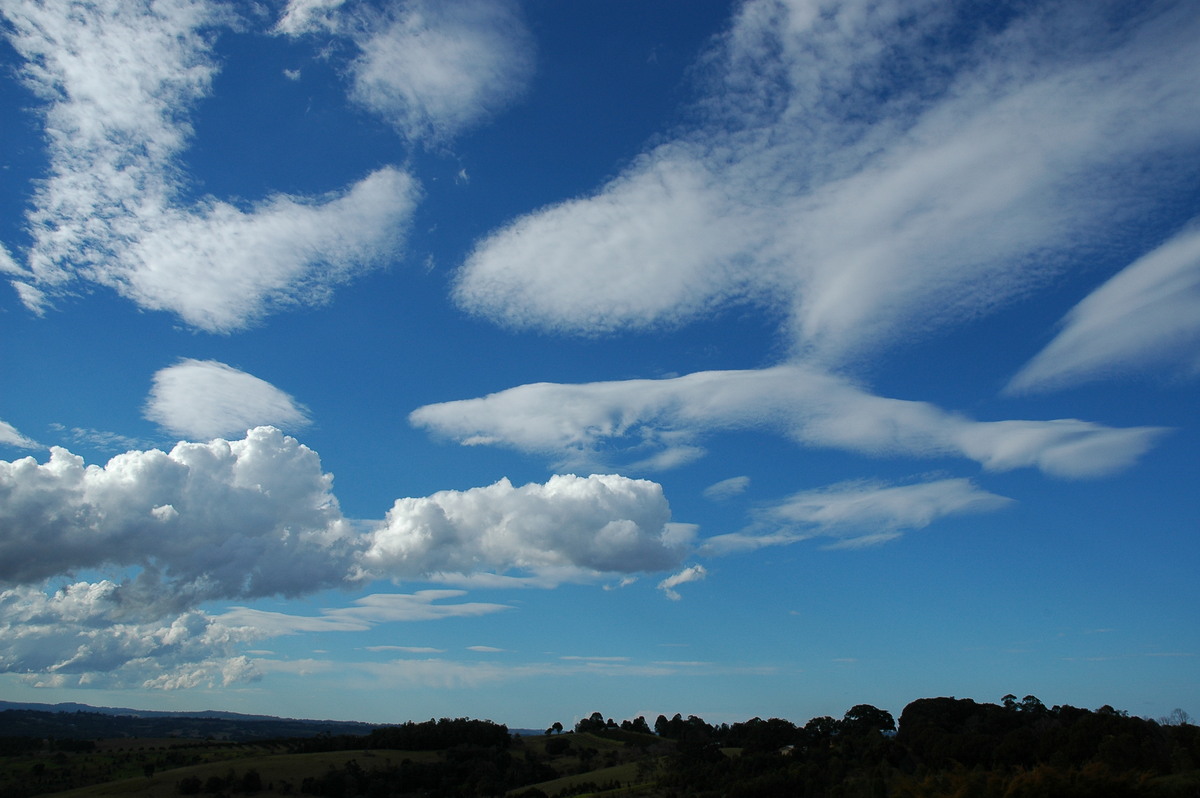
[394,361]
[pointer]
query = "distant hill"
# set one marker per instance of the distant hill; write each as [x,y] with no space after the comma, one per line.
[84,722]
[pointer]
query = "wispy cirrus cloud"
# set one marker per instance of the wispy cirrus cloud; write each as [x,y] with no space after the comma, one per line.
[365,612]
[839,176]
[206,399]
[1147,315]
[10,436]
[693,573]
[118,81]
[650,419]
[857,514]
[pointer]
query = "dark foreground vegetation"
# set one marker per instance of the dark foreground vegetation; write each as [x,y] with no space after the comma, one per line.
[939,747]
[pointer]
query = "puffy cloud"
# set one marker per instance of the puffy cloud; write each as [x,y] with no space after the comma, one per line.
[118,80]
[257,517]
[569,526]
[9,436]
[693,573]
[82,635]
[1147,314]
[206,399]
[654,418]
[859,513]
[840,175]
[224,519]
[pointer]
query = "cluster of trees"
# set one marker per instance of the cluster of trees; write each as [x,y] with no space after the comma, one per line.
[430,735]
[943,747]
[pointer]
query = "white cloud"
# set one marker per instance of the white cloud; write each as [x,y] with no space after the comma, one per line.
[859,513]
[431,69]
[569,525]
[257,517]
[118,80]
[83,635]
[963,188]
[1146,315]
[308,16]
[693,573]
[221,269]
[727,488]
[407,649]
[9,436]
[439,67]
[582,424]
[206,399]
[363,613]
[246,518]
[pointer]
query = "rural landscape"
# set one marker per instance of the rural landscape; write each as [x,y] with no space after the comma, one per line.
[937,747]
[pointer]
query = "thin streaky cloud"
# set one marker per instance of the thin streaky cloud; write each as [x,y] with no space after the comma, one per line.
[867,223]
[1145,317]
[858,514]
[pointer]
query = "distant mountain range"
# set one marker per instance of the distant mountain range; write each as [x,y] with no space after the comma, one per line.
[82,721]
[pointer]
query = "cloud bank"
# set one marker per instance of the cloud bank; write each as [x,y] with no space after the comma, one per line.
[257,517]
[662,422]
[843,179]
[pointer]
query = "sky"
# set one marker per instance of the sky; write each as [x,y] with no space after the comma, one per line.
[388,361]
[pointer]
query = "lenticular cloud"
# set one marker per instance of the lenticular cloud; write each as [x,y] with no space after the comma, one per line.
[205,398]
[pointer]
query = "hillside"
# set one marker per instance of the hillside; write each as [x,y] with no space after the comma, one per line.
[940,747]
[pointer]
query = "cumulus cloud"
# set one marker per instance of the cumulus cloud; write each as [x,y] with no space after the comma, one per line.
[206,399]
[693,573]
[431,69]
[1146,315]
[82,635]
[9,436]
[651,419]
[840,176]
[569,526]
[257,517]
[118,80]
[224,519]
[859,513]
